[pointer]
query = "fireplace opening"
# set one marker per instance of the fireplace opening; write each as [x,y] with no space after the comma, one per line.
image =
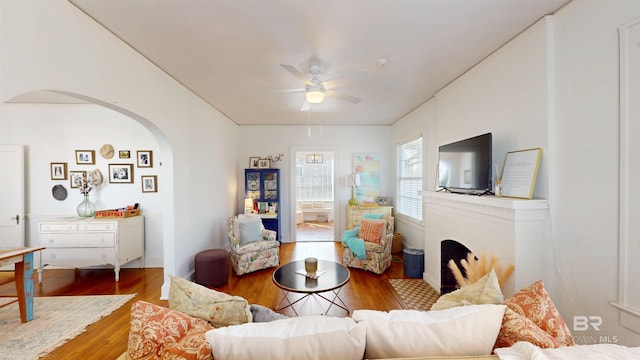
[456,251]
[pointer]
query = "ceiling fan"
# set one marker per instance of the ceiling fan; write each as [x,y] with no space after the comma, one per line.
[316,90]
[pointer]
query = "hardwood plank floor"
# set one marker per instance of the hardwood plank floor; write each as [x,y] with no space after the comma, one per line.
[107,339]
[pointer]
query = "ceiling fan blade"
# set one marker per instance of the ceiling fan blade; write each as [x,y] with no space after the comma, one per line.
[333,83]
[306,106]
[297,73]
[292,90]
[343,97]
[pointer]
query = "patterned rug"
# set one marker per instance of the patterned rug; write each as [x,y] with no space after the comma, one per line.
[56,320]
[416,294]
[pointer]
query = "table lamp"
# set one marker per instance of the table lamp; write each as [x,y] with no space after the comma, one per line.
[248,205]
[355,181]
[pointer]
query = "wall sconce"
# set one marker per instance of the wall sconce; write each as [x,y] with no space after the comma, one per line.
[248,205]
[355,181]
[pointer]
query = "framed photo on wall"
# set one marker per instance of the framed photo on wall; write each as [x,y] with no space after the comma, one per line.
[76,178]
[254,162]
[85,157]
[124,154]
[149,183]
[145,158]
[59,171]
[264,164]
[121,173]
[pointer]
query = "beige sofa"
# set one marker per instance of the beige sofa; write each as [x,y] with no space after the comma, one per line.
[158,332]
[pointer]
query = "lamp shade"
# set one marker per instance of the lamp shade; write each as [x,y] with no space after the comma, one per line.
[248,205]
[315,96]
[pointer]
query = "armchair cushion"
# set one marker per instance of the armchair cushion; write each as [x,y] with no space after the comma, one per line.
[372,230]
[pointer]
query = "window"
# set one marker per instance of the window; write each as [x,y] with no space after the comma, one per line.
[410,179]
[314,177]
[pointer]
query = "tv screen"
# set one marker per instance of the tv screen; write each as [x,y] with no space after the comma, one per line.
[465,166]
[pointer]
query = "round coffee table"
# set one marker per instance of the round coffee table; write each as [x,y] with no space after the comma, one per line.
[331,276]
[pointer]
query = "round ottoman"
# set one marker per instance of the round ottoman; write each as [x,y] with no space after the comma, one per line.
[212,267]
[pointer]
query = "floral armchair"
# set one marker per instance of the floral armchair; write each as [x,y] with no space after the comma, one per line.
[373,245]
[252,246]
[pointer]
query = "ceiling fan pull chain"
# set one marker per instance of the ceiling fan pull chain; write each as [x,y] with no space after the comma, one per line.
[309,122]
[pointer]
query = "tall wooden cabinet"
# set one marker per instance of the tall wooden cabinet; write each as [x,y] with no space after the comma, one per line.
[263,186]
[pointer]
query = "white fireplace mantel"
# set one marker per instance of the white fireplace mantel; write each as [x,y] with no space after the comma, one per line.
[512,229]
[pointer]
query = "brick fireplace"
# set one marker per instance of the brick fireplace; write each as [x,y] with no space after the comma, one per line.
[513,229]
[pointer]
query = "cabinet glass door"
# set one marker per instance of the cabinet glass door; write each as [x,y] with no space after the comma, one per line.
[271,185]
[253,185]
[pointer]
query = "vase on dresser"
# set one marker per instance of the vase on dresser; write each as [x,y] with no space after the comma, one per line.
[86,208]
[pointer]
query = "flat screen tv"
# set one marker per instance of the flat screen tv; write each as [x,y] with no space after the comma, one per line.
[465,166]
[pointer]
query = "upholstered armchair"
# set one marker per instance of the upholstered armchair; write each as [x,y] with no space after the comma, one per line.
[252,246]
[368,246]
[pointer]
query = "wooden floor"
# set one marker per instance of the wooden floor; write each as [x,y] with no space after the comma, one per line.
[107,339]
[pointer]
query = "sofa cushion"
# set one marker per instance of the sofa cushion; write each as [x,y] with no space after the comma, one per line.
[372,230]
[216,307]
[307,337]
[484,291]
[160,333]
[535,304]
[465,330]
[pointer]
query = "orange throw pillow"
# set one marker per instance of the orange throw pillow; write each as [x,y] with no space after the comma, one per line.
[372,230]
[532,307]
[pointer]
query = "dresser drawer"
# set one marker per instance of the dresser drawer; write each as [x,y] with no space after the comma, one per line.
[78,240]
[77,227]
[78,257]
[58,227]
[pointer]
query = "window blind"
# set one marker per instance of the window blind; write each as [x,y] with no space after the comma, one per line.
[409,202]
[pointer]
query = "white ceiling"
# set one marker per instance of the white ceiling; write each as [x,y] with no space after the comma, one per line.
[229,52]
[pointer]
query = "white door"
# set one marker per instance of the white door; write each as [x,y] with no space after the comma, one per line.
[11,196]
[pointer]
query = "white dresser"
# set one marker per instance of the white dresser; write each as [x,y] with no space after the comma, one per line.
[356,213]
[78,242]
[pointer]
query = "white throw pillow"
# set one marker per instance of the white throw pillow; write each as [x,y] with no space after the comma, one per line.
[460,331]
[307,337]
[484,291]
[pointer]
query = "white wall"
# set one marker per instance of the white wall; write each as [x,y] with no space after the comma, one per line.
[583,258]
[52,133]
[262,141]
[50,45]
[556,86]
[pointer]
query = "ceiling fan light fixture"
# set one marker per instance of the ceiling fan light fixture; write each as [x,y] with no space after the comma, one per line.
[314,96]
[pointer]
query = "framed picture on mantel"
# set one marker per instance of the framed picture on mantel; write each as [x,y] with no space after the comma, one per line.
[520,172]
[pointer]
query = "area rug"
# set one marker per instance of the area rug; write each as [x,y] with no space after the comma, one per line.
[416,294]
[56,320]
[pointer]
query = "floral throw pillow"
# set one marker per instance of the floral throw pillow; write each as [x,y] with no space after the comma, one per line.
[160,333]
[533,307]
[216,307]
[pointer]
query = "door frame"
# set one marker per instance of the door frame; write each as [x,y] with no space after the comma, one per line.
[292,180]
